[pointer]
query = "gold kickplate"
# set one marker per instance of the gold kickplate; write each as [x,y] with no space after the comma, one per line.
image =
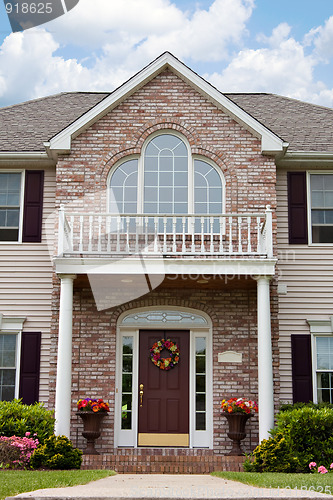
[148,439]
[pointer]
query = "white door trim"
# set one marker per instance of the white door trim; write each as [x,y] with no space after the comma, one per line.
[163,317]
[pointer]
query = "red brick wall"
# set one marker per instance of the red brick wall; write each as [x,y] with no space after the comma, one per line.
[167,103]
[233,314]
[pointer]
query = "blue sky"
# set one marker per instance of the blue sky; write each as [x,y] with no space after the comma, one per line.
[284,47]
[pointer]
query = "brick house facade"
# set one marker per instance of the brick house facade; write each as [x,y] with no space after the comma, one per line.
[206,268]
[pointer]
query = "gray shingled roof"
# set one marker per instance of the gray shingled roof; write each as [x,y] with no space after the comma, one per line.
[26,126]
[305,126]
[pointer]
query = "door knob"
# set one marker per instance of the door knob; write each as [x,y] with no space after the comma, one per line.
[141,394]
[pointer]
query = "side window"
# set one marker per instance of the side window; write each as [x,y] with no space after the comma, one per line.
[321,189]
[207,189]
[16,209]
[8,346]
[123,193]
[324,369]
[10,198]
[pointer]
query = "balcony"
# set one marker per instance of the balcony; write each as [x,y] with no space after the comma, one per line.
[239,243]
[105,235]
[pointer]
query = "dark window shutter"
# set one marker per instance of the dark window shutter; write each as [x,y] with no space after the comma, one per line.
[297,208]
[301,368]
[33,206]
[30,367]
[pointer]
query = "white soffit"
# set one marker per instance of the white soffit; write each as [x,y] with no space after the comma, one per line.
[270,143]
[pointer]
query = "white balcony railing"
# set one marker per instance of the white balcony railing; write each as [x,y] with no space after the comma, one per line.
[107,235]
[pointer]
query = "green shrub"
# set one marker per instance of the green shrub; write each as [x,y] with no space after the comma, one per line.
[16,419]
[302,434]
[297,406]
[57,453]
[272,455]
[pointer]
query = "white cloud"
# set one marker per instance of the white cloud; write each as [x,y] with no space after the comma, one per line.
[279,35]
[150,27]
[116,39]
[28,67]
[206,35]
[322,39]
[283,68]
[122,37]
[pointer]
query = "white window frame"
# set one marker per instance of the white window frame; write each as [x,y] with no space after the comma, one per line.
[198,439]
[318,328]
[10,325]
[191,158]
[309,205]
[22,172]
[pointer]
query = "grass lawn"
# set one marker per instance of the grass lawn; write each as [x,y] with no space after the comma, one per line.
[320,483]
[13,482]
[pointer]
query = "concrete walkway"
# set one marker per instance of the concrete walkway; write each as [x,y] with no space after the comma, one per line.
[176,486]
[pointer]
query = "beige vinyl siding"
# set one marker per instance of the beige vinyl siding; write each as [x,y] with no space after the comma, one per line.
[307,271]
[26,282]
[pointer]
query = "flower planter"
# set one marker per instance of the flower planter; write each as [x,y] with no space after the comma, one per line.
[237,422]
[91,429]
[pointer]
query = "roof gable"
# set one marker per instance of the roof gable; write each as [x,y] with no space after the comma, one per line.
[61,142]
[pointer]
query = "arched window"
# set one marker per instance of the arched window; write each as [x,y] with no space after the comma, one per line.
[165,176]
[124,188]
[207,189]
[166,179]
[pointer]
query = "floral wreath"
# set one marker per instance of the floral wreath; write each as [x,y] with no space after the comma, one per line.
[164,363]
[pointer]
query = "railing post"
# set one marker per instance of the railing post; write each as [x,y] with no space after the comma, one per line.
[61,230]
[269,232]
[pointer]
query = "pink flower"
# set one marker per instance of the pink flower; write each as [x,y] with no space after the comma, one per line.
[27,434]
[322,470]
[312,465]
[331,466]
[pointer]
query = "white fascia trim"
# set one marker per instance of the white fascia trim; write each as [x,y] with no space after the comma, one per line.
[304,158]
[62,141]
[270,143]
[300,155]
[23,155]
[230,267]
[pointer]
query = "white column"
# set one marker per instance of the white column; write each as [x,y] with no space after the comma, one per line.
[265,362]
[64,363]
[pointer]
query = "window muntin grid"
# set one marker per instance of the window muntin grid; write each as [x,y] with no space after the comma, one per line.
[207,189]
[167,187]
[10,196]
[166,176]
[324,372]
[124,181]
[7,367]
[321,189]
[200,383]
[127,382]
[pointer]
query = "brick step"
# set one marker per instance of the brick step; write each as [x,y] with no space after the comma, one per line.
[163,461]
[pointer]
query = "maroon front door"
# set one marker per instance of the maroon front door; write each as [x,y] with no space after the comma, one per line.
[164,398]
